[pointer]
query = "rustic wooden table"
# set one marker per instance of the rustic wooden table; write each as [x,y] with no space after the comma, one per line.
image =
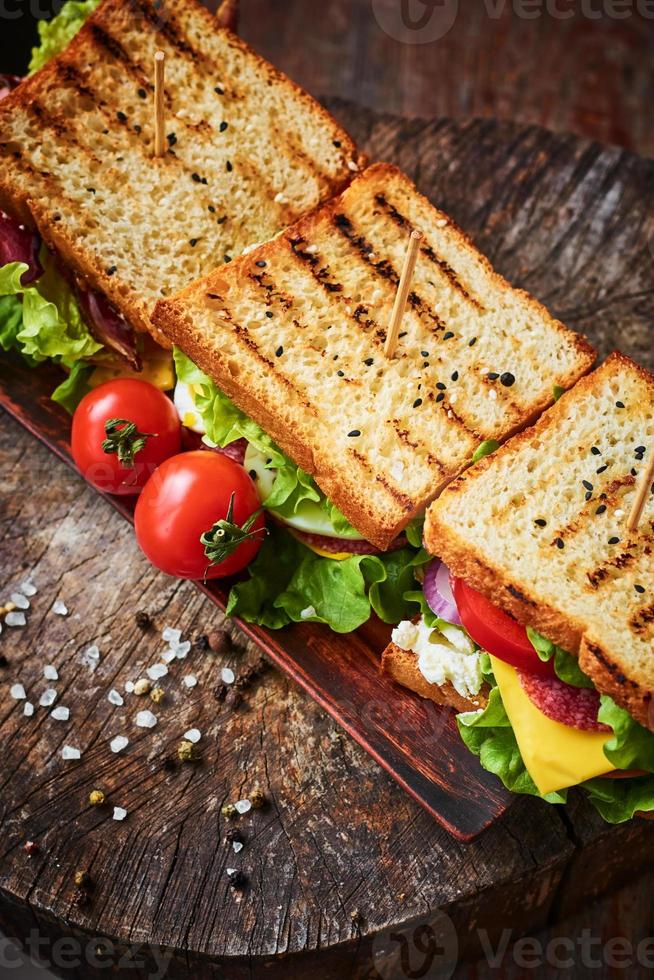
[339,861]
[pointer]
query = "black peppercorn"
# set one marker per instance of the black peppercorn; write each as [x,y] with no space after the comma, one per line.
[233,836]
[236,878]
[219,641]
[233,698]
[201,642]
[142,620]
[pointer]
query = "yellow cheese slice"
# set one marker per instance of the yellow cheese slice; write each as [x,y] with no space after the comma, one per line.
[336,556]
[158,370]
[555,755]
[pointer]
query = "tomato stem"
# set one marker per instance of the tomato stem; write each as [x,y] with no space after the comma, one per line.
[124,439]
[225,536]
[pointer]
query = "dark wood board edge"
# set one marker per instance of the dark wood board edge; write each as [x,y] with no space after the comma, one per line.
[467,800]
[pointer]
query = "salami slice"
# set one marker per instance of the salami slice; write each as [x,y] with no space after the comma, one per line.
[576,707]
[338,546]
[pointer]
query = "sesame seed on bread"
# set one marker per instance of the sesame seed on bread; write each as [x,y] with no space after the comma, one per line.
[540,528]
[247,151]
[294,333]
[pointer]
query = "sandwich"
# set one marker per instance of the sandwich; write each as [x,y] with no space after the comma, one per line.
[94,229]
[538,613]
[282,351]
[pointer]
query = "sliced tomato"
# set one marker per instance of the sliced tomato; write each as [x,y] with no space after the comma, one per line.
[496,632]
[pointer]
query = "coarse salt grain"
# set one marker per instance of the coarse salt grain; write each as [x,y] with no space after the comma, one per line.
[27,588]
[441,223]
[238,846]
[17,691]
[115,697]
[118,743]
[69,753]
[170,634]
[352,166]
[619,513]
[308,612]
[145,719]
[91,657]
[183,649]
[15,619]
[227,675]
[19,600]
[242,806]
[193,735]
[190,680]
[129,687]
[280,199]
[119,813]
[50,673]
[28,709]
[168,656]
[157,671]
[48,697]
[492,394]
[60,713]
[60,608]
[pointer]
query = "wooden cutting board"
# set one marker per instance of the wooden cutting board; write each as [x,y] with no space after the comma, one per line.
[572,222]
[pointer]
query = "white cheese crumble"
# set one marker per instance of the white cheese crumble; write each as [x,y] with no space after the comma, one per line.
[443,655]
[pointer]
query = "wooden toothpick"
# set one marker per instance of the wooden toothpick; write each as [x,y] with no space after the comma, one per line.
[159,121]
[402,294]
[641,494]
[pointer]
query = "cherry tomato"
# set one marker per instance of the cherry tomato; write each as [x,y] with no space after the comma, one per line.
[496,632]
[123,430]
[199,516]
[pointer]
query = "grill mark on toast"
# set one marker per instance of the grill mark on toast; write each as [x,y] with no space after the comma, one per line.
[399,496]
[243,335]
[642,621]
[383,268]
[602,573]
[613,669]
[403,222]
[102,39]
[164,25]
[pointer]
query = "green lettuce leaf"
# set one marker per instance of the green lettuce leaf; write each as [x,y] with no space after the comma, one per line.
[11,319]
[618,800]
[632,745]
[55,34]
[71,391]
[51,325]
[566,667]
[286,579]
[225,423]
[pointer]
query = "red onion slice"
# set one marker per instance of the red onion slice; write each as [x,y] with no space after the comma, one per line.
[19,244]
[8,83]
[438,592]
[108,326]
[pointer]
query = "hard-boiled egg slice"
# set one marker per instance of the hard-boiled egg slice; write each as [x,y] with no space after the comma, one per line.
[185,405]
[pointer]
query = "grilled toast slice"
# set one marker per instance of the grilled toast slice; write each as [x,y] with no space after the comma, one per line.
[248,151]
[294,333]
[402,667]
[540,528]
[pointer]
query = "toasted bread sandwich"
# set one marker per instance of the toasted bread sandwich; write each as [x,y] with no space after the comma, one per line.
[549,581]
[247,153]
[294,331]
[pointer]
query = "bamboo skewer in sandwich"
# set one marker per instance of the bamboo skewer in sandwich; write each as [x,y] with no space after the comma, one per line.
[159,95]
[404,285]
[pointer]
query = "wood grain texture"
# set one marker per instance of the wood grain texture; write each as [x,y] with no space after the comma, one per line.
[340,855]
[591,75]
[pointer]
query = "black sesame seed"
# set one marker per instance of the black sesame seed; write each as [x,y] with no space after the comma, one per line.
[425,364]
[589,495]
[341,374]
[507,379]
[640,457]
[595,451]
[440,396]
[193,242]
[260,264]
[111,270]
[634,472]
[142,94]
[455,375]
[121,117]
[560,543]
[614,540]
[639,588]
[369,361]
[602,468]
[219,90]
[448,335]
[229,167]
[223,126]
[441,386]
[336,143]
[424,353]
[196,178]
[471,343]
[354,433]
[492,375]
[279,351]
[417,403]
[335,357]
[619,404]
[212,209]
[91,190]
[601,509]
[172,139]
[540,522]
[403,334]
[227,257]
[269,314]
[640,449]
[587,484]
